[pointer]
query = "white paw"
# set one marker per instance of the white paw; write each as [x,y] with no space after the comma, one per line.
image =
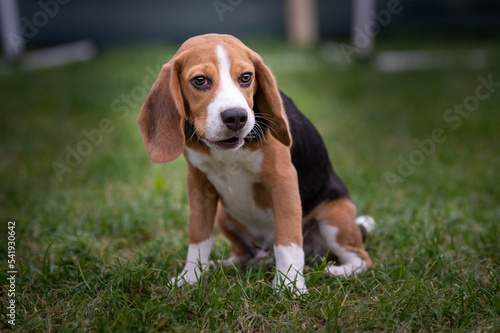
[196,262]
[177,281]
[189,275]
[296,284]
[346,270]
[289,266]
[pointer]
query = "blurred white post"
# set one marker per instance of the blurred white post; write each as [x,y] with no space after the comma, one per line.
[302,23]
[362,37]
[12,40]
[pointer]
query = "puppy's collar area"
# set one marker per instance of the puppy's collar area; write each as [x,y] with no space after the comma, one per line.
[255,135]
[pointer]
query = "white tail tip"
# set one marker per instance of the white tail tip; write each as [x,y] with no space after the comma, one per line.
[367,222]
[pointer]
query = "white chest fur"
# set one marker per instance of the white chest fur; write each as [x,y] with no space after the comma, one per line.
[233,174]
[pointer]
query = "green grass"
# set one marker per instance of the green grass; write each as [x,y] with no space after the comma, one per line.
[96,248]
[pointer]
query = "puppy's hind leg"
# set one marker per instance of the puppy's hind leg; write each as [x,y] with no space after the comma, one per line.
[342,237]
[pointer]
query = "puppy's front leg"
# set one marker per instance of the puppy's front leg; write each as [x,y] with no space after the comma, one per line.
[202,207]
[288,252]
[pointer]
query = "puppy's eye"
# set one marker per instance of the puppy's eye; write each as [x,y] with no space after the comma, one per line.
[245,79]
[201,82]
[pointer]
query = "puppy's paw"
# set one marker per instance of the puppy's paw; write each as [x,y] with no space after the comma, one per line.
[295,284]
[346,270]
[289,268]
[189,275]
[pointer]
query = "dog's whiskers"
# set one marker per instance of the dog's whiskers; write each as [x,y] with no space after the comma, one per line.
[270,123]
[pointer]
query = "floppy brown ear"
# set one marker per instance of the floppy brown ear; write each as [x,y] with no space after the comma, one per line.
[268,101]
[162,116]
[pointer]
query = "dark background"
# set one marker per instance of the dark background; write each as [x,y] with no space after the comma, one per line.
[127,21]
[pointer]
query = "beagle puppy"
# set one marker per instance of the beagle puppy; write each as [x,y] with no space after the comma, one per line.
[256,165]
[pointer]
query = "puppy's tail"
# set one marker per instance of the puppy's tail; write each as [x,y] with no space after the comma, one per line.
[366,224]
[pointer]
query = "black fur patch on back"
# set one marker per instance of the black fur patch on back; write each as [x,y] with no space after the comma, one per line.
[318,182]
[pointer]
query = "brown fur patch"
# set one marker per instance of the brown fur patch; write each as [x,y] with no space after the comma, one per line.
[203,200]
[261,196]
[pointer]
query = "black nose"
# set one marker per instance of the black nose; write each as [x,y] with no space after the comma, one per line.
[234,119]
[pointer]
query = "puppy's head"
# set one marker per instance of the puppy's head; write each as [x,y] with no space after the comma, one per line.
[216,83]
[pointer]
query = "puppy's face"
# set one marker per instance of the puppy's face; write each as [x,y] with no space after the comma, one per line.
[218,84]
